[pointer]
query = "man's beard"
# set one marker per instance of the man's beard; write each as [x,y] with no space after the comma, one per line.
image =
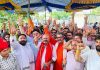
[98,48]
[23,43]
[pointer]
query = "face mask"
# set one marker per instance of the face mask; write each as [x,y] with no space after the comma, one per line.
[98,48]
[23,43]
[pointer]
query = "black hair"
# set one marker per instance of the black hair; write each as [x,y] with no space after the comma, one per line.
[36,29]
[59,33]
[21,35]
[1,31]
[79,34]
[66,28]
[6,33]
[70,32]
[94,26]
[41,29]
[53,30]
[97,37]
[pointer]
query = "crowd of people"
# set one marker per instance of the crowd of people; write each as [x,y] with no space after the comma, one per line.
[50,47]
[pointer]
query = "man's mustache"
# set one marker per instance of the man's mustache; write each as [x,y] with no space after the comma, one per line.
[98,46]
[45,40]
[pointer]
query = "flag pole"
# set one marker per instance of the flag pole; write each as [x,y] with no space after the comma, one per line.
[45,15]
[28,13]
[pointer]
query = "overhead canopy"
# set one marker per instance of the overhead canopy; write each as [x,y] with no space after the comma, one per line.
[41,5]
[8,5]
[82,4]
[68,5]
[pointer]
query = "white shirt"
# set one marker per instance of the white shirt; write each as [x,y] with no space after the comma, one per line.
[24,55]
[13,39]
[64,51]
[72,64]
[43,58]
[53,57]
[91,58]
[9,64]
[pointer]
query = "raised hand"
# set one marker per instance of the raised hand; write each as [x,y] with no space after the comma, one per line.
[86,17]
[86,20]
[54,22]
[20,21]
[49,21]
[63,25]
[80,46]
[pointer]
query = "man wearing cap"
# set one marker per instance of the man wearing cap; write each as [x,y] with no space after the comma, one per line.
[7,60]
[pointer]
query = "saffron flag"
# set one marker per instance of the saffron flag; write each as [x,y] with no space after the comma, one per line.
[30,26]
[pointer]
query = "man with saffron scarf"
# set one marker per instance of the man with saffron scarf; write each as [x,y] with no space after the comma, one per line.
[44,58]
[61,53]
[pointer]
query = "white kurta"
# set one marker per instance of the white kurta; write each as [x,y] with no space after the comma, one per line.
[25,56]
[43,58]
[64,53]
[13,39]
[91,58]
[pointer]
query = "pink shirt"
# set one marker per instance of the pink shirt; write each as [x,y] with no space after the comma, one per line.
[72,64]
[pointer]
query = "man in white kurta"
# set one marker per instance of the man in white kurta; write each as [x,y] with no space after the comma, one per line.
[61,53]
[24,53]
[91,57]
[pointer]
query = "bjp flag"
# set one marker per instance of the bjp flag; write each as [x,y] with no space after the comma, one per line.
[30,26]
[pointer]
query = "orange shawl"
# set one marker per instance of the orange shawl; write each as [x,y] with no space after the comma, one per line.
[52,40]
[58,63]
[48,56]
